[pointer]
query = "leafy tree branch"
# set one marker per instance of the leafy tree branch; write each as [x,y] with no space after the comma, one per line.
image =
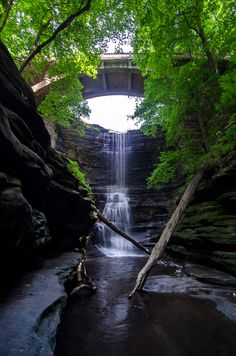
[60,28]
[42,28]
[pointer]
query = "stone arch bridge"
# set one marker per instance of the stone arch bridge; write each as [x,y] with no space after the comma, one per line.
[117,75]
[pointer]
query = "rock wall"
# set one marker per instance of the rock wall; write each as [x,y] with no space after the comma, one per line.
[208,229]
[149,208]
[40,201]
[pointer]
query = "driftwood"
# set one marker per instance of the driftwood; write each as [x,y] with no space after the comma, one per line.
[121,233]
[82,280]
[167,233]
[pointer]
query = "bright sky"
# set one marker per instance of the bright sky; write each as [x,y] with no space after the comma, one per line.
[111,112]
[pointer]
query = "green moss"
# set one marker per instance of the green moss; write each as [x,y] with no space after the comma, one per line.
[74,169]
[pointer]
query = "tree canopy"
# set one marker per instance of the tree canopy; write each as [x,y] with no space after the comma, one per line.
[185,48]
[61,39]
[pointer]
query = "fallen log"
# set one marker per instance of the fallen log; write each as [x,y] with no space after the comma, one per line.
[167,233]
[120,232]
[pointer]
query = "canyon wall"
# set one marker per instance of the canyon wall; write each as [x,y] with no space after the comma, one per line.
[41,203]
[207,233]
[149,208]
[208,229]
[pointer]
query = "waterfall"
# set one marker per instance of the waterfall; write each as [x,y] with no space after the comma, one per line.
[117,202]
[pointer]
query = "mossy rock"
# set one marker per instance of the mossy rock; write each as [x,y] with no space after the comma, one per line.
[227,197]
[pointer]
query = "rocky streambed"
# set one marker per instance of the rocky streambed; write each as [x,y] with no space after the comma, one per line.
[183,310]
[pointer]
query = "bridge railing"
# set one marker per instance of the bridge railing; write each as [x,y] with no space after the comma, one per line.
[117,56]
[117,60]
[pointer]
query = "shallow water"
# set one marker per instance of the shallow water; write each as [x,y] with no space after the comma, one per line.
[176,316]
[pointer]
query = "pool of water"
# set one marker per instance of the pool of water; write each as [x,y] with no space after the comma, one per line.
[176,315]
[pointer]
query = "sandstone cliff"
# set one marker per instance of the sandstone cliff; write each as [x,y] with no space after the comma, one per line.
[40,201]
[208,229]
[149,208]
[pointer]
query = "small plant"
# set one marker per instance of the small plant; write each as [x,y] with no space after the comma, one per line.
[166,168]
[74,169]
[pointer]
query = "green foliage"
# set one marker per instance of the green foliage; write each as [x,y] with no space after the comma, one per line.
[74,169]
[226,135]
[65,108]
[181,46]
[186,48]
[75,50]
[3,5]
[165,170]
[228,85]
[227,139]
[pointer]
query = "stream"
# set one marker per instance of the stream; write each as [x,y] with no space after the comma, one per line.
[184,310]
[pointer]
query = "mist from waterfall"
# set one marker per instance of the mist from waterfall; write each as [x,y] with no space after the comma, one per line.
[117,210]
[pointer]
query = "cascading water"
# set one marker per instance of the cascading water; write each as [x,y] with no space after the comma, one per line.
[117,202]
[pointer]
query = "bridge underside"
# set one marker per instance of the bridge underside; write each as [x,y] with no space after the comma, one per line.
[117,75]
[113,81]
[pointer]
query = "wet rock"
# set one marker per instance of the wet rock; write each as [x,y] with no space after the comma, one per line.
[30,314]
[53,131]
[69,215]
[210,275]
[3,180]
[39,228]
[15,182]
[23,230]
[15,219]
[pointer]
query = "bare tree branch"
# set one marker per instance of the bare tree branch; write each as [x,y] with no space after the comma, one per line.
[168,231]
[60,28]
[120,232]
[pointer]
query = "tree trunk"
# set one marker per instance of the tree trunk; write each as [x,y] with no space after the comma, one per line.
[120,232]
[168,231]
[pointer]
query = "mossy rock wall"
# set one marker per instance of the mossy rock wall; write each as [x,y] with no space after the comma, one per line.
[208,228]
